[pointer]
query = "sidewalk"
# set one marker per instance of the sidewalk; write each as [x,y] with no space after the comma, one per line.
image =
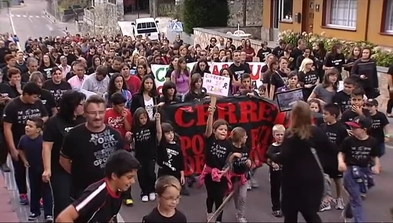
[7,211]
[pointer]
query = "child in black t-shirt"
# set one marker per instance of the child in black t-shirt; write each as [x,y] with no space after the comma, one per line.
[356,109]
[101,201]
[170,157]
[379,122]
[145,134]
[240,165]
[355,155]
[30,147]
[275,170]
[336,131]
[217,151]
[343,97]
[168,190]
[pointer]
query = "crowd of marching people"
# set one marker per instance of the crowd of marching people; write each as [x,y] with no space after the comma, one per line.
[74,107]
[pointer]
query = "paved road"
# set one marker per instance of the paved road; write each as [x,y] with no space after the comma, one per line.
[29,21]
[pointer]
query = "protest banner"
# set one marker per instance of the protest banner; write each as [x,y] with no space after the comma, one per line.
[159,71]
[256,115]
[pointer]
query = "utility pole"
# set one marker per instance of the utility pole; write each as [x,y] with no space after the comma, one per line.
[244,13]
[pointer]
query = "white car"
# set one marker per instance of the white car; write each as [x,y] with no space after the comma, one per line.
[146,27]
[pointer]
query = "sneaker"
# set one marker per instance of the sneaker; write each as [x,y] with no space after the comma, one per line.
[5,168]
[344,216]
[23,199]
[33,216]
[129,202]
[277,214]
[249,187]
[325,206]
[41,203]
[145,198]
[254,183]
[363,196]
[242,220]
[208,216]
[152,196]
[340,205]
[48,219]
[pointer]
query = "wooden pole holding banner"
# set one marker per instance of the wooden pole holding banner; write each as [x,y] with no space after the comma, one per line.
[221,208]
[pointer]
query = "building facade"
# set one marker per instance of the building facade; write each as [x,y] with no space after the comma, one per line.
[357,20]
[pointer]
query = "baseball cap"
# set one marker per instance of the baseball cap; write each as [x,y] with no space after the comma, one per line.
[360,122]
[372,102]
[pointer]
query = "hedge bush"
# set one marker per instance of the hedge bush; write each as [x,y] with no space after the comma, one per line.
[383,57]
[204,13]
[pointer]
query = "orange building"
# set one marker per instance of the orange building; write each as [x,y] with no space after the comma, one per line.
[357,20]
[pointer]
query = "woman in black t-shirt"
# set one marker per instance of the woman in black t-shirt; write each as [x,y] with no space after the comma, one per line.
[46,97]
[171,68]
[308,77]
[335,59]
[70,114]
[196,91]
[46,66]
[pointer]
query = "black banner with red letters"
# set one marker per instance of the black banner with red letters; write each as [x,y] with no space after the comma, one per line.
[256,115]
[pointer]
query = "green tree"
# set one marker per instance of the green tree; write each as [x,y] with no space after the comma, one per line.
[204,13]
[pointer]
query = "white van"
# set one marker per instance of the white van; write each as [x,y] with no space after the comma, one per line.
[146,27]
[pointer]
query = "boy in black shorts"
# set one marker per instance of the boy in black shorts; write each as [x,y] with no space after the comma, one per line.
[336,131]
[101,201]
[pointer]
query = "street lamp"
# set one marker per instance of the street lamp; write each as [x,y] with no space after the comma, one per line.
[94,20]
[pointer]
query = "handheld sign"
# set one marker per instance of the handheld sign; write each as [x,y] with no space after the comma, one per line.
[216,85]
[286,99]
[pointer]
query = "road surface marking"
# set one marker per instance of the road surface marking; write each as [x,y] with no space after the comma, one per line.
[37,16]
[24,16]
[13,29]
[18,16]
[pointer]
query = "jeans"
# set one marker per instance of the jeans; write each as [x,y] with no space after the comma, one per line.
[239,198]
[61,190]
[20,175]
[147,176]
[38,190]
[354,190]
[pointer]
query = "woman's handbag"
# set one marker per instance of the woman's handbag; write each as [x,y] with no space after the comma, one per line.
[327,182]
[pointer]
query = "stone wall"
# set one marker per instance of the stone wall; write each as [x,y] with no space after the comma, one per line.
[102,20]
[253,12]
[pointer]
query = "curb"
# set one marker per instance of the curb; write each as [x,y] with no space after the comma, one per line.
[49,16]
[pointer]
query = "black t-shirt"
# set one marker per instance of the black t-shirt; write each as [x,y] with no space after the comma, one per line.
[336,132]
[14,92]
[359,152]
[89,152]
[343,100]
[277,80]
[239,164]
[46,70]
[57,90]
[98,203]
[272,151]
[156,217]
[170,157]
[145,139]
[335,61]
[55,130]
[17,112]
[48,100]
[378,122]
[238,71]
[217,152]
[308,78]
[112,71]
[262,53]
[349,115]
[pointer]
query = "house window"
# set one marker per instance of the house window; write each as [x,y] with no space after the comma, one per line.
[285,10]
[389,17]
[341,14]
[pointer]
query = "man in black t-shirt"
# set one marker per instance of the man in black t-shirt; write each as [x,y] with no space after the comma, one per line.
[101,201]
[87,147]
[15,115]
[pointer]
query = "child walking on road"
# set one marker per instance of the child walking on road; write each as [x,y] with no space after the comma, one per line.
[30,149]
